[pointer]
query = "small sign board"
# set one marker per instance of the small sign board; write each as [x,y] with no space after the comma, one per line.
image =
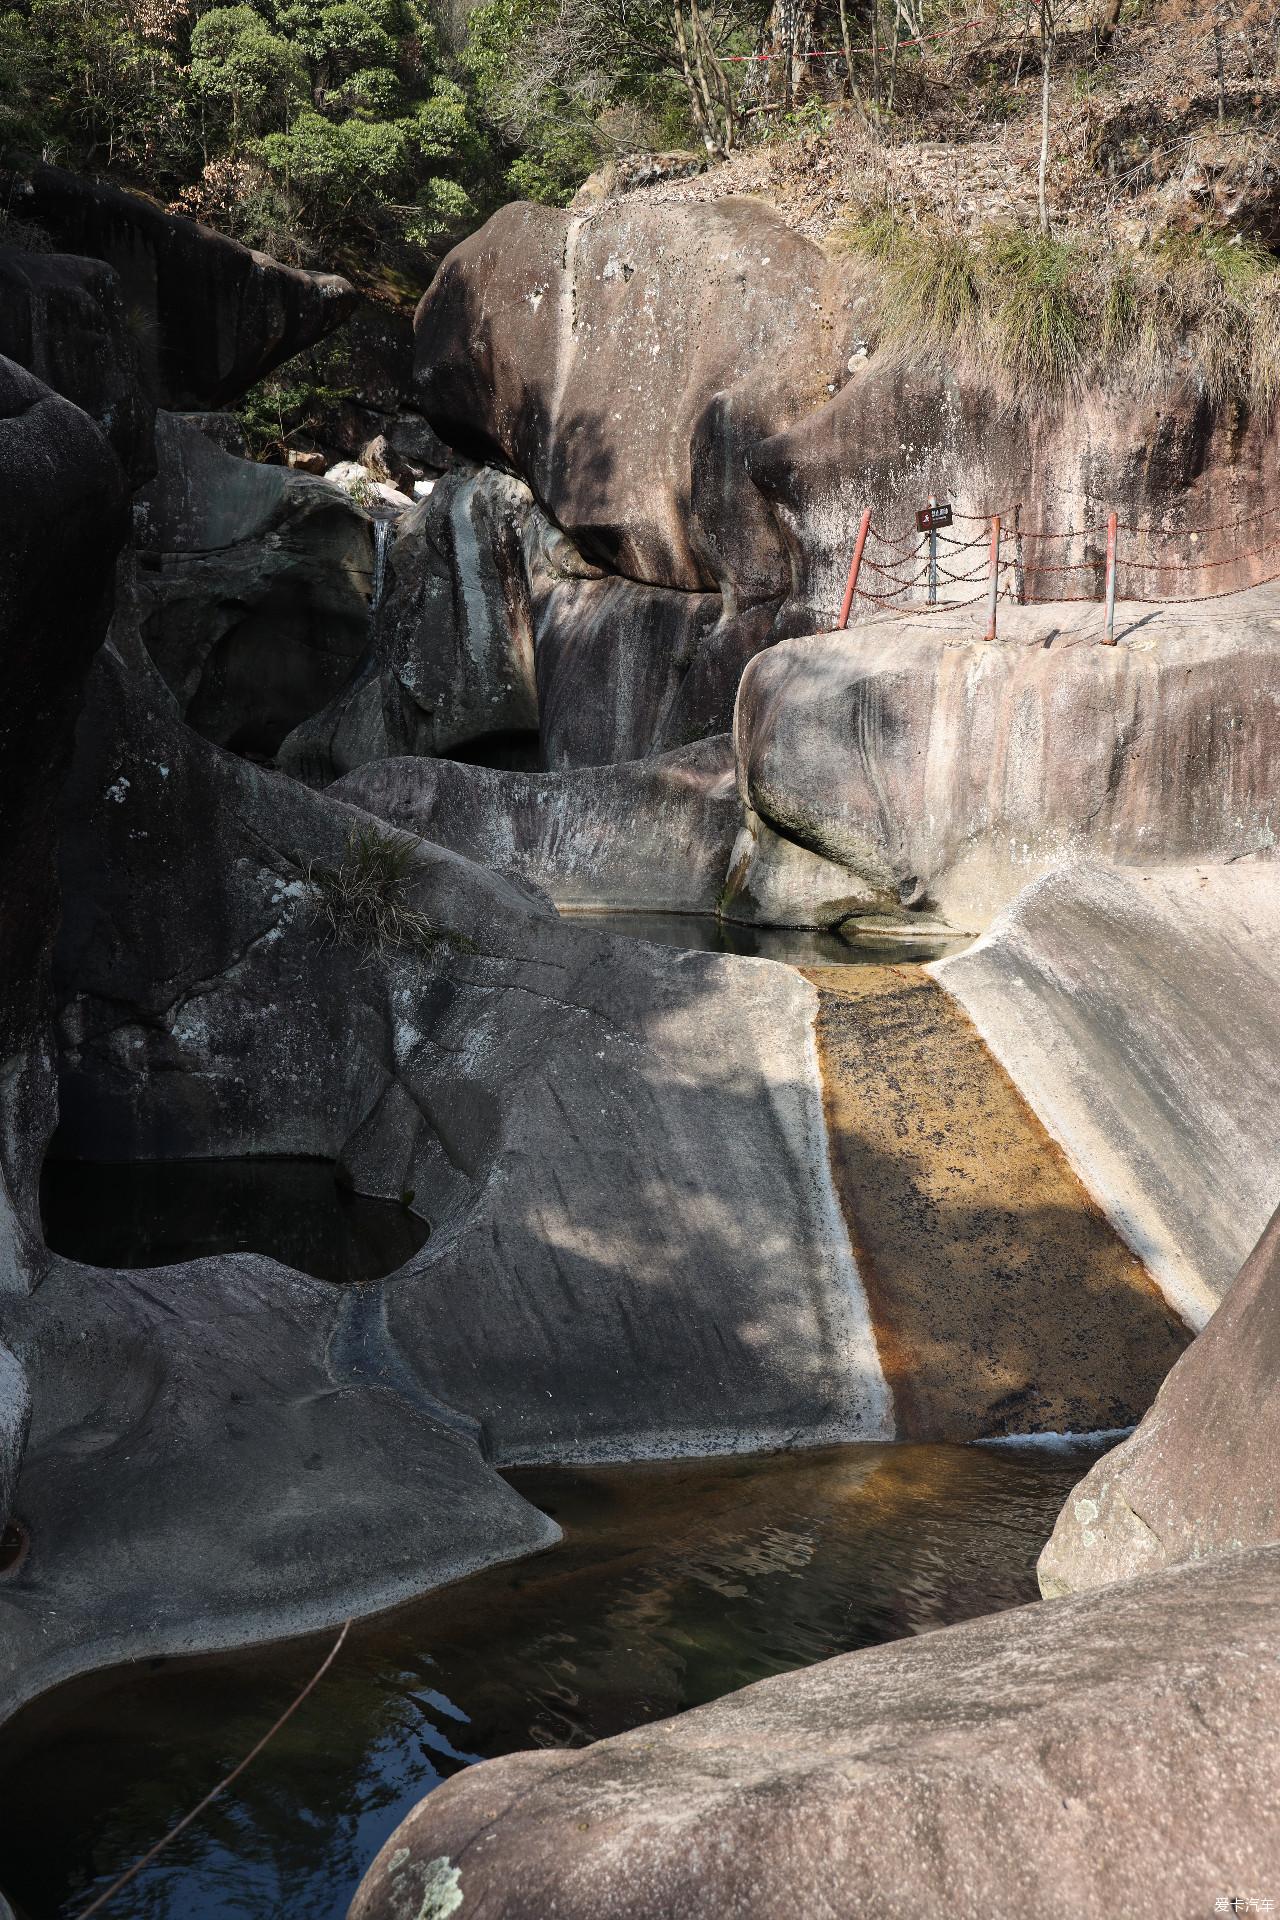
[928,519]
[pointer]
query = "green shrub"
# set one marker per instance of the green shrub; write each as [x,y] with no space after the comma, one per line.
[277,408]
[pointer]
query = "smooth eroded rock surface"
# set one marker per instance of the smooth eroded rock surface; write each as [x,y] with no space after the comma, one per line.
[253,588]
[636,1247]
[208,1465]
[456,630]
[214,316]
[914,762]
[1187,479]
[604,572]
[621,362]
[1201,1476]
[649,833]
[65,321]
[1135,1012]
[63,518]
[974,1771]
[62,521]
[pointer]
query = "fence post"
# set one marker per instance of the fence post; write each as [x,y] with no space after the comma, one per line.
[1019,577]
[933,554]
[1113,528]
[994,582]
[855,568]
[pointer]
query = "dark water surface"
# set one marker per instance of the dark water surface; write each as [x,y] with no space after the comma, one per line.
[674,1584]
[795,946]
[161,1212]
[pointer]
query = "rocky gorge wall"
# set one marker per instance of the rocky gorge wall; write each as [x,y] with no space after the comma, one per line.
[679,1202]
[666,421]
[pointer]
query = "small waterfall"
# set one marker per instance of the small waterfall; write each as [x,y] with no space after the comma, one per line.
[381,543]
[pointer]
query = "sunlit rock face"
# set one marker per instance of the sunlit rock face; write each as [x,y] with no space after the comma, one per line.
[1201,1476]
[602,567]
[1187,480]
[1134,1009]
[680,1202]
[622,363]
[963,1772]
[676,388]
[916,772]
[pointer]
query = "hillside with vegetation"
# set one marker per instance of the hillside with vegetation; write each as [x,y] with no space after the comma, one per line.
[1050,191]
[370,135]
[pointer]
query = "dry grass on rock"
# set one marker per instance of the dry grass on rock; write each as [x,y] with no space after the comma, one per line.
[1050,313]
[365,901]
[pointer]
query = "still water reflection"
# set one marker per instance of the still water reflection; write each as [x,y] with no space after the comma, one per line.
[794,946]
[674,1584]
[161,1212]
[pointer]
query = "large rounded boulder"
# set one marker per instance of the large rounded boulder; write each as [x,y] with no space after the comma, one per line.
[623,362]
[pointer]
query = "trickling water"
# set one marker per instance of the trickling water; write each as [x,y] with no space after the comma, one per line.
[382,530]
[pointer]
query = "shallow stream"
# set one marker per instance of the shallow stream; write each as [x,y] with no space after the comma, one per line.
[674,1584]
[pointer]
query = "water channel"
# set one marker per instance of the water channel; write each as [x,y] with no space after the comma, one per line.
[674,1584]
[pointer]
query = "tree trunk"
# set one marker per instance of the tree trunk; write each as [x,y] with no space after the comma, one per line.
[690,78]
[1046,61]
[852,89]
[1104,27]
[893,57]
[875,53]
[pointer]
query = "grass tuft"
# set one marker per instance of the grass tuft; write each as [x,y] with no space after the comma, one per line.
[364,901]
[1035,318]
[1049,314]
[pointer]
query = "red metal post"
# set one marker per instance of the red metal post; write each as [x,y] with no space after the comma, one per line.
[993,583]
[855,568]
[1113,528]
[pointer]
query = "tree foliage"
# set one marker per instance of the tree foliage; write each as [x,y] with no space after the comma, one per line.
[364,130]
[371,134]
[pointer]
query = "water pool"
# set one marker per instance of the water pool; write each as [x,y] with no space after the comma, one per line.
[674,1584]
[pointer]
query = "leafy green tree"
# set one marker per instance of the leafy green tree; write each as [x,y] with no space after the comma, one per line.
[249,74]
[111,88]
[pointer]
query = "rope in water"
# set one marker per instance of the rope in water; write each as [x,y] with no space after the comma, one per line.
[132,1872]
